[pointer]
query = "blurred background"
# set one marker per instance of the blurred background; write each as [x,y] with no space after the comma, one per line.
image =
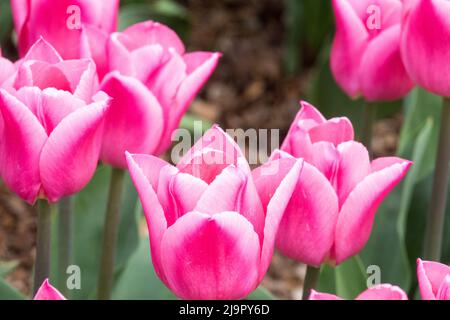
[274,54]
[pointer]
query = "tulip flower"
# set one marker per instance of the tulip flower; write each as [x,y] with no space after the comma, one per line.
[7,68]
[365,56]
[48,292]
[310,127]
[43,67]
[335,223]
[209,235]
[426,54]
[377,292]
[434,280]
[76,28]
[51,142]
[157,82]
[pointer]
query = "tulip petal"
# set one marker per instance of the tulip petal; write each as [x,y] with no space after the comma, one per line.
[134,121]
[383,292]
[47,292]
[336,131]
[444,290]
[43,51]
[92,45]
[322,296]
[382,64]
[431,276]
[358,211]
[211,257]
[22,140]
[325,157]
[350,41]
[69,157]
[7,69]
[139,166]
[82,77]
[307,228]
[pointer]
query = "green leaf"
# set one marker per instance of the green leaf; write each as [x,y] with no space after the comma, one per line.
[9,293]
[88,223]
[261,293]
[350,278]
[7,267]
[138,281]
[327,281]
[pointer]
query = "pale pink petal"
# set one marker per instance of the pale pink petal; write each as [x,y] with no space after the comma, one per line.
[383,292]
[444,290]
[431,275]
[211,257]
[154,214]
[7,69]
[356,217]
[69,157]
[43,51]
[92,45]
[22,140]
[42,75]
[47,292]
[322,296]
[187,191]
[20,9]
[82,76]
[306,232]
[325,157]
[336,131]
[134,122]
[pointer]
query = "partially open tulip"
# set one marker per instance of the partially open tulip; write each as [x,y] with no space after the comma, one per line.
[43,67]
[48,292]
[7,68]
[209,236]
[50,142]
[76,28]
[332,207]
[310,127]
[157,82]
[434,280]
[377,292]
[426,44]
[365,56]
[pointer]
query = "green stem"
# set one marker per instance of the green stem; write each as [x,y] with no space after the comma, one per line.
[436,213]
[369,116]
[110,234]
[65,241]
[42,265]
[311,277]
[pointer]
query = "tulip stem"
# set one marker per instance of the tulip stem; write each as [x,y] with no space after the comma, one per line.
[110,234]
[436,213]
[369,116]
[65,241]
[44,223]
[311,277]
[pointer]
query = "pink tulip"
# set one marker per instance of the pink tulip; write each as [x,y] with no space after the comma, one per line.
[157,82]
[7,68]
[332,207]
[425,44]
[310,127]
[434,280]
[48,292]
[209,236]
[377,292]
[76,28]
[365,57]
[50,143]
[43,67]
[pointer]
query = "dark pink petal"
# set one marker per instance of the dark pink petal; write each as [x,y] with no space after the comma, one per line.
[43,51]
[92,45]
[431,276]
[211,257]
[48,292]
[70,155]
[358,211]
[22,140]
[134,122]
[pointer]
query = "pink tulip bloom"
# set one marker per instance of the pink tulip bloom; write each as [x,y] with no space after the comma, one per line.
[425,44]
[377,292]
[209,236]
[48,292]
[157,82]
[365,56]
[310,127]
[76,28]
[7,68]
[434,280]
[50,143]
[43,67]
[331,210]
